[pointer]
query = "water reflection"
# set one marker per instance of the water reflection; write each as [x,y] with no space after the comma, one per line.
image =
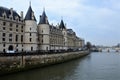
[96,66]
[54,72]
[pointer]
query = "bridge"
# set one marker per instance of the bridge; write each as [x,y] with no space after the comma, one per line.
[109,49]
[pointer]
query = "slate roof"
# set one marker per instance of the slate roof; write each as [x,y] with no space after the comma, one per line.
[70,31]
[8,12]
[29,14]
[62,26]
[43,18]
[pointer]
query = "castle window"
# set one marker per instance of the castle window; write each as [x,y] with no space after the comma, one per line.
[16,26]
[21,38]
[42,40]
[16,30]
[16,38]
[30,34]
[31,48]
[17,50]
[10,35]
[3,39]
[3,45]
[10,39]
[4,23]
[21,30]
[30,39]
[30,28]
[10,29]
[3,34]
[3,50]
[22,27]
[4,28]
[11,24]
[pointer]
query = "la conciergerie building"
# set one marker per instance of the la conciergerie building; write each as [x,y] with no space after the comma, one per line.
[24,34]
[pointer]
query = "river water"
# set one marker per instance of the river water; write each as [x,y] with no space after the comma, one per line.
[96,66]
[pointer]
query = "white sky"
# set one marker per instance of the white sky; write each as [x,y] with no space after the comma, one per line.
[96,21]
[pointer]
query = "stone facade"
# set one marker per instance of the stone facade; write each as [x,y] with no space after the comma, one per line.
[24,34]
[11,30]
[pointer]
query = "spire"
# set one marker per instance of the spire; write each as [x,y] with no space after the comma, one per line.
[43,18]
[30,14]
[62,26]
[61,18]
[44,9]
[30,3]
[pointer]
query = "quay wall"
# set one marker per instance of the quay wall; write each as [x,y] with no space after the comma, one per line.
[10,64]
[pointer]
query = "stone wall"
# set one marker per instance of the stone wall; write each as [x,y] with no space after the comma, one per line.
[11,64]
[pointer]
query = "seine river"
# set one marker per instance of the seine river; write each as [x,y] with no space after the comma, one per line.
[96,66]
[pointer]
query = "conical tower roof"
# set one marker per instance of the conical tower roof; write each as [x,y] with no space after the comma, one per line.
[62,25]
[30,14]
[43,18]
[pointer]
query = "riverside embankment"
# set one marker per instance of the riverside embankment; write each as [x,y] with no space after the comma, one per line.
[10,64]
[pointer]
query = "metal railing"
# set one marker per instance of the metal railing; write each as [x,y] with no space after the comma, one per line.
[38,52]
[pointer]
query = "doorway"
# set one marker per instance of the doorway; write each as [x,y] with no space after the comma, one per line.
[10,48]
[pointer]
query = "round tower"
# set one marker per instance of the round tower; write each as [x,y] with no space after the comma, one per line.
[44,33]
[64,31]
[30,31]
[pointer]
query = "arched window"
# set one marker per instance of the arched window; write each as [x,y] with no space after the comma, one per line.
[4,15]
[31,48]
[47,48]
[10,48]
[4,50]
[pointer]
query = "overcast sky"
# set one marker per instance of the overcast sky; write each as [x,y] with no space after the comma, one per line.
[97,21]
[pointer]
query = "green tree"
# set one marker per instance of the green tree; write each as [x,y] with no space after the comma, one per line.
[88,45]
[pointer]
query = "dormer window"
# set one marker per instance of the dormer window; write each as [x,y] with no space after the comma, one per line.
[32,15]
[17,18]
[4,15]
[10,17]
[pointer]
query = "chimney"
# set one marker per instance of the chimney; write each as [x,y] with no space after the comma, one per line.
[21,15]
[11,11]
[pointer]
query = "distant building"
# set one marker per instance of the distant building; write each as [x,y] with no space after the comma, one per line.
[118,45]
[24,34]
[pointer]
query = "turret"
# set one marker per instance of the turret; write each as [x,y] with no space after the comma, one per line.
[30,31]
[62,25]
[44,32]
[43,18]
